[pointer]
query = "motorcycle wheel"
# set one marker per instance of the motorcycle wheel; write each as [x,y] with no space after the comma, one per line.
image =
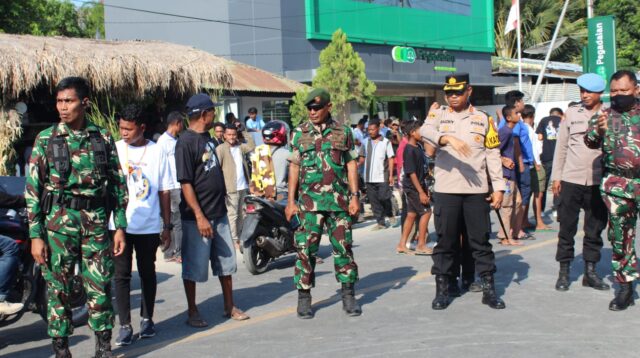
[255,259]
[78,301]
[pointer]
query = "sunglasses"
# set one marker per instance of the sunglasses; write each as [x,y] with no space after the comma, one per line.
[315,107]
[454,93]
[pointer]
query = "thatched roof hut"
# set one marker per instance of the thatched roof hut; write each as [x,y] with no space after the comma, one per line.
[124,67]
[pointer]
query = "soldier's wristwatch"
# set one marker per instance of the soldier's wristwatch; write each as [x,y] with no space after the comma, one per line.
[356,194]
[168,227]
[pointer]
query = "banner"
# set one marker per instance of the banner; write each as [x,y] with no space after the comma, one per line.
[601,58]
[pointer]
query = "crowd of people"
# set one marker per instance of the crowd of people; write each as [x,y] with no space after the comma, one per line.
[92,199]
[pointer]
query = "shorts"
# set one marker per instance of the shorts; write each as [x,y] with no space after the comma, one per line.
[538,178]
[413,202]
[198,251]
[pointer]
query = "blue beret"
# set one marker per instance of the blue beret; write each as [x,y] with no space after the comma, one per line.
[592,82]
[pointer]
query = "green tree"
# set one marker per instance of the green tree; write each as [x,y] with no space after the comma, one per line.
[342,73]
[627,14]
[539,19]
[297,108]
[51,18]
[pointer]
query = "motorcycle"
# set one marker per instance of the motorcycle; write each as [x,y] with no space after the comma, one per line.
[29,287]
[266,233]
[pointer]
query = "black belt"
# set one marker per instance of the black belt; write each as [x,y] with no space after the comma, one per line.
[78,202]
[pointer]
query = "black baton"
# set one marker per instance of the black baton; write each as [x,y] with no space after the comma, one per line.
[506,234]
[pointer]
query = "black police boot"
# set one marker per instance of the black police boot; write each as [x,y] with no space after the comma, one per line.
[61,347]
[304,304]
[442,293]
[624,297]
[454,288]
[563,277]
[349,303]
[591,279]
[103,344]
[489,296]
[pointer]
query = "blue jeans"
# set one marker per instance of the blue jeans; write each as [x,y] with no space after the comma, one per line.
[9,259]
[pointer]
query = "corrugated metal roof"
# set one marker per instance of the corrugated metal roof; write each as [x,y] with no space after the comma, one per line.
[252,79]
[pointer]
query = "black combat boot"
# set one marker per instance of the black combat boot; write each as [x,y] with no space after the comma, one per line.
[624,297]
[442,293]
[61,347]
[454,288]
[489,296]
[304,304]
[563,277]
[349,303]
[591,279]
[103,344]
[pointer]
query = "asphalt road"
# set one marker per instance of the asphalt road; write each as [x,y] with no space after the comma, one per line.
[397,321]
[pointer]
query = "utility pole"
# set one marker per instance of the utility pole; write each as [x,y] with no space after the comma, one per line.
[589,9]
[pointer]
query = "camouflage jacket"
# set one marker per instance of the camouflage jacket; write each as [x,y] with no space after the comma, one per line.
[621,152]
[84,180]
[263,179]
[323,157]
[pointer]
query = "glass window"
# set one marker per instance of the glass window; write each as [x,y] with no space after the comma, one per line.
[276,109]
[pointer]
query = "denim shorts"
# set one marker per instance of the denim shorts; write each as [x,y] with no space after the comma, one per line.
[198,251]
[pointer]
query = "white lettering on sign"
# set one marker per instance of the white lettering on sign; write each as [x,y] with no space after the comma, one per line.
[600,44]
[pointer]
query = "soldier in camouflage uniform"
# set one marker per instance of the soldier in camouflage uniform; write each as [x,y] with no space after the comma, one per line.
[323,178]
[617,132]
[73,165]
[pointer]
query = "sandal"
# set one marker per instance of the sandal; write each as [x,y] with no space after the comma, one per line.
[425,252]
[236,314]
[196,321]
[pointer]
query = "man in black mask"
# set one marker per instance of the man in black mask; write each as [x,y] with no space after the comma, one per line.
[617,132]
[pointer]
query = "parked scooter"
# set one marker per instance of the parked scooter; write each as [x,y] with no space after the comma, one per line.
[29,286]
[266,233]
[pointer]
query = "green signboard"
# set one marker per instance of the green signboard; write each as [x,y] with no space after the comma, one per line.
[601,53]
[404,54]
[438,24]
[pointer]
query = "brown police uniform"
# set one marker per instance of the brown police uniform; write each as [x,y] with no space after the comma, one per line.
[579,169]
[461,185]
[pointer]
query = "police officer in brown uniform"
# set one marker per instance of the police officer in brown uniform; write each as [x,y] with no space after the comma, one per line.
[466,150]
[576,176]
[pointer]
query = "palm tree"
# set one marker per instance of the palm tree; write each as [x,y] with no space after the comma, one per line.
[539,19]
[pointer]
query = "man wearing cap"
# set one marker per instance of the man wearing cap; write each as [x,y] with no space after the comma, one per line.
[616,132]
[576,175]
[206,236]
[323,190]
[466,145]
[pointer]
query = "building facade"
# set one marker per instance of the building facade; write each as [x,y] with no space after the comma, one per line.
[408,46]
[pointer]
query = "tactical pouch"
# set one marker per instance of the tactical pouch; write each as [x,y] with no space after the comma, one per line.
[46,201]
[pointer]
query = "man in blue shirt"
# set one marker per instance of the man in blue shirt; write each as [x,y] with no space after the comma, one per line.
[254,125]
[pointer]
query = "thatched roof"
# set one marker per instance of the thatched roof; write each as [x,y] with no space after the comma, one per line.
[120,67]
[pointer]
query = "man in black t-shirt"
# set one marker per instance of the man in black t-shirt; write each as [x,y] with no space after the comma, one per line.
[547,131]
[206,236]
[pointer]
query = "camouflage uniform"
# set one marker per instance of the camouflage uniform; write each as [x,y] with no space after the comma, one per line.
[73,234]
[323,194]
[620,186]
[263,178]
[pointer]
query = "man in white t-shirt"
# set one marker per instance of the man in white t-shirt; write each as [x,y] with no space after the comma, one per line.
[144,164]
[376,155]
[235,168]
[167,141]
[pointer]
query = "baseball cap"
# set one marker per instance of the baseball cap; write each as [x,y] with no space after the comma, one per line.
[200,102]
[591,82]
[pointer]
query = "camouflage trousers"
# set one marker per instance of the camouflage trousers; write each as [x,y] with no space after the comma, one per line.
[307,240]
[623,214]
[97,270]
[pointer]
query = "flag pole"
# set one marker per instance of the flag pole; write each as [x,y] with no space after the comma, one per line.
[519,51]
[546,59]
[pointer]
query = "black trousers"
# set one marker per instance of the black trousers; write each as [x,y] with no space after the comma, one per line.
[574,197]
[462,214]
[548,167]
[380,198]
[145,247]
[463,262]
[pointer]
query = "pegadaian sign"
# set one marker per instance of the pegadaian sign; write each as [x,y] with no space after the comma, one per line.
[403,54]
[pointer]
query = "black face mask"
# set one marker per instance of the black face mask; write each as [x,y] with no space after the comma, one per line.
[623,102]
